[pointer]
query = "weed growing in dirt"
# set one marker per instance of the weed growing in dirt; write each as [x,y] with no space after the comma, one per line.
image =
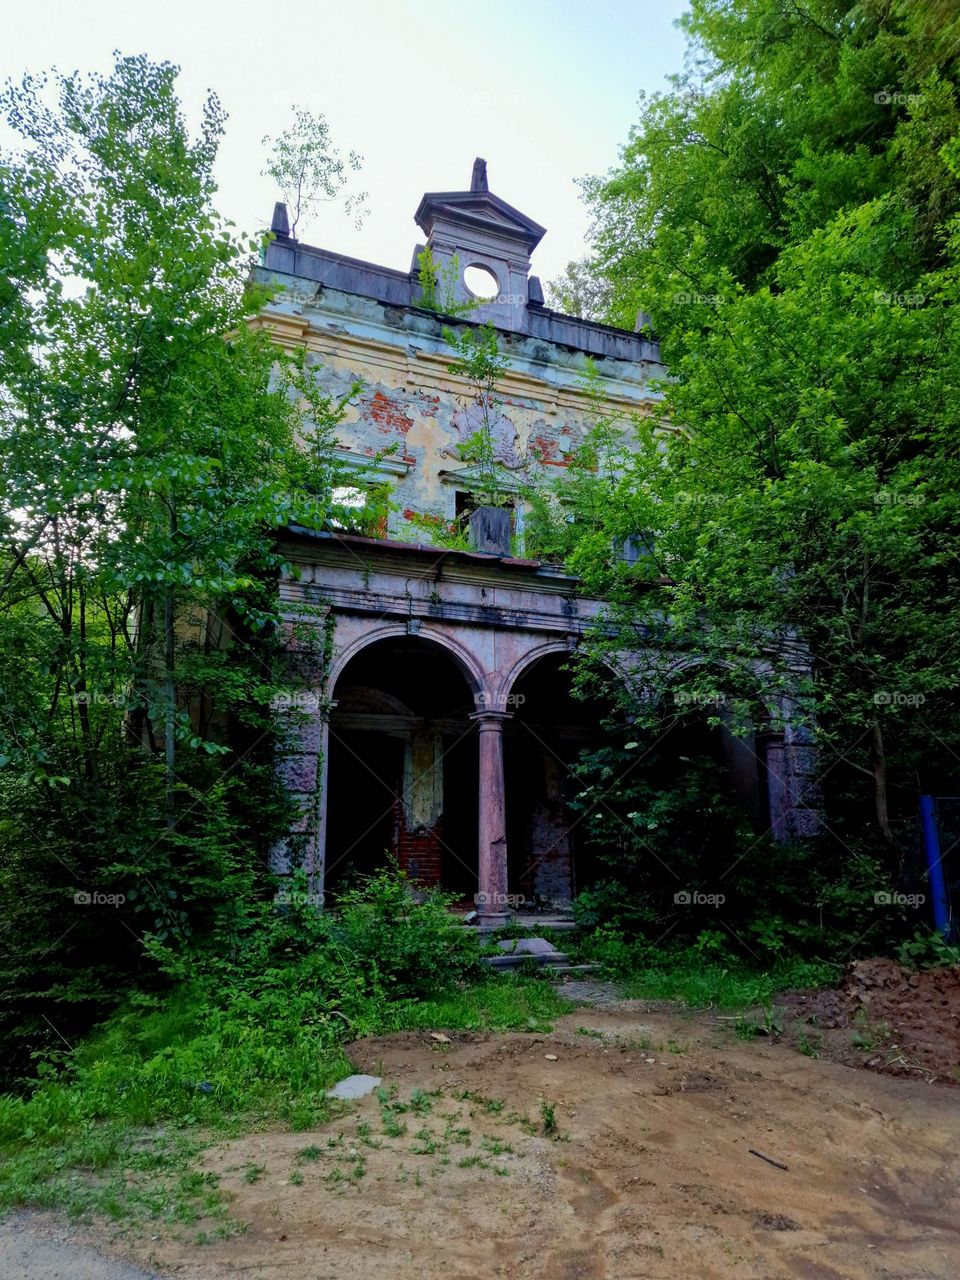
[769,1022]
[548,1119]
[496,1147]
[808,1042]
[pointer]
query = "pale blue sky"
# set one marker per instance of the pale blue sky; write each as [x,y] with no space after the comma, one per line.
[546,92]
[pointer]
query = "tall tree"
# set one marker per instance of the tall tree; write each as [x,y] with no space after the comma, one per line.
[151,439]
[787,213]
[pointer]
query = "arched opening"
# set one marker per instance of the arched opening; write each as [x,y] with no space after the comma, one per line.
[550,855]
[402,769]
[672,807]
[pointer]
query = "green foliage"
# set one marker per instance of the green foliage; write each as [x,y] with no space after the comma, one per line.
[254,1035]
[408,943]
[580,291]
[439,285]
[662,971]
[152,438]
[787,213]
[479,360]
[309,168]
[684,861]
[927,950]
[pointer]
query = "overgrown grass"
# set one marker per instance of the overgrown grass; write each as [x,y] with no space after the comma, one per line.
[505,1002]
[117,1129]
[700,983]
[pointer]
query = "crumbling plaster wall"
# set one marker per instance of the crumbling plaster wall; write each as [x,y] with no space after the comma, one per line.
[414,412]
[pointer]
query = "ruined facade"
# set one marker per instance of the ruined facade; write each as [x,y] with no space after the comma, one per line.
[444,726]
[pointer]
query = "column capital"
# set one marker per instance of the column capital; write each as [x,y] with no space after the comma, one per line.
[487,720]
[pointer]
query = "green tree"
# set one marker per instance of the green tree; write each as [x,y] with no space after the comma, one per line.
[309,168]
[148,434]
[787,215]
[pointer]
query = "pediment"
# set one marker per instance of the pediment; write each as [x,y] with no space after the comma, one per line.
[478,209]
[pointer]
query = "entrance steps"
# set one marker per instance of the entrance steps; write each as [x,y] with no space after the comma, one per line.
[557,923]
[524,951]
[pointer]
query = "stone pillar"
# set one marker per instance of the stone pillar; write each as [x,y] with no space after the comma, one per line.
[492,870]
[792,789]
[303,752]
[318,863]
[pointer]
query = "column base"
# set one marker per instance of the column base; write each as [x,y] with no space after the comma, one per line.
[493,919]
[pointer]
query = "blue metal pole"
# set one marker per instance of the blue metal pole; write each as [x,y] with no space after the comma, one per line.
[938,885]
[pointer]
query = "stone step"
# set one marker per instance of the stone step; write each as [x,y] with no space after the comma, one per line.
[544,924]
[516,959]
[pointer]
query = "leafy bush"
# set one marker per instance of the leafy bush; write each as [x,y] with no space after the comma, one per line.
[410,946]
[666,827]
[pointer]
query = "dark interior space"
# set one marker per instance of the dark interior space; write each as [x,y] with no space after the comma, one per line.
[402,780]
[548,857]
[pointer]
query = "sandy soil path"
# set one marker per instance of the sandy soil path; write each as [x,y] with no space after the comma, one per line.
[649,1173]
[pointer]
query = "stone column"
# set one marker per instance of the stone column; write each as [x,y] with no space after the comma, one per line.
[792,789]
[303,749]
[492,871]
[318,865]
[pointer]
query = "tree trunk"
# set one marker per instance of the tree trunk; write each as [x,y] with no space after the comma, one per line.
[169,692]
[880,781]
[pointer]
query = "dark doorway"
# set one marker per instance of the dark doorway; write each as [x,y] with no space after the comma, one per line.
[402,771]
[549,858]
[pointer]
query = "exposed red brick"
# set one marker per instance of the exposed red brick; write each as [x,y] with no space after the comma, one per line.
[419,853]
[388,415]
[547,449]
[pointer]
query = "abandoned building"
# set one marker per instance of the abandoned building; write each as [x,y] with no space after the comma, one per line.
[445,726]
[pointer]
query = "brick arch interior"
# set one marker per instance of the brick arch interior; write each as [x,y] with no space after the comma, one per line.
[402,766]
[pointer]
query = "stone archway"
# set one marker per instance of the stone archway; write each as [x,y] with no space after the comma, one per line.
[400,775]
[547,731]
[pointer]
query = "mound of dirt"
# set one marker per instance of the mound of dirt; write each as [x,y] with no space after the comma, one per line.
[882,1016]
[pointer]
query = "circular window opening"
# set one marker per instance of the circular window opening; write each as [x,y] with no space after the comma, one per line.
[481,282]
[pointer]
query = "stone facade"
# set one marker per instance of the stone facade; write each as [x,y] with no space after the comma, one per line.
[486,617]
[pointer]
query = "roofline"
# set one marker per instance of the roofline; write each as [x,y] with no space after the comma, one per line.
[285,256]
[301,532]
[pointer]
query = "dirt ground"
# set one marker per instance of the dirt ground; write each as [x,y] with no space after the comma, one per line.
[621,1145]
[884,1017]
